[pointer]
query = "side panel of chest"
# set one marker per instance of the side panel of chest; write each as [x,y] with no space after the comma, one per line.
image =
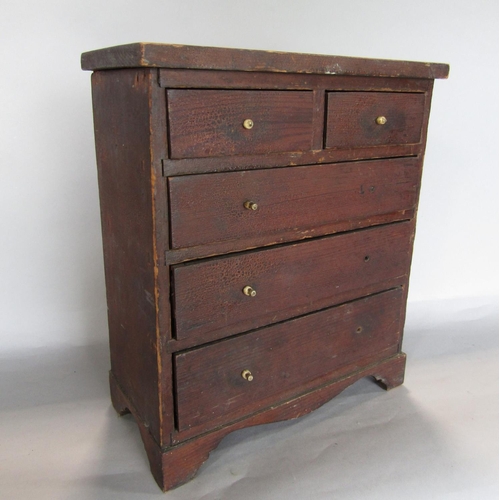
[128,106]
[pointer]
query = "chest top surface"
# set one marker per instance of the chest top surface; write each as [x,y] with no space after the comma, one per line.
[156,55]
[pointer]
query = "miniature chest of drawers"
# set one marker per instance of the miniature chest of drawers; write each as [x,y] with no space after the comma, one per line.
[258,214]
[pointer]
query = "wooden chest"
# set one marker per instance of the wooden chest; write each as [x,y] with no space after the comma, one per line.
[258,215]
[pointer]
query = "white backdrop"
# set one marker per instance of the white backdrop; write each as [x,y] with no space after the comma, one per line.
[52,286]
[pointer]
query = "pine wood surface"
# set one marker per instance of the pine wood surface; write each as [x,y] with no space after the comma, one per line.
[327,250]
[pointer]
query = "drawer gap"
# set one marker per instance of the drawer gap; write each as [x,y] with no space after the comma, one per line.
[169,212]
[237,163]
[253,89]
[254,330]
[325,121]
[169,141]
[173,325]
[288,243]
[174,390]
[390,91]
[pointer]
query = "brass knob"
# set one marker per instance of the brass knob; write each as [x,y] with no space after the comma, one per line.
[248,124]
[381,120]
[247,375]
[249,291]
[250,205]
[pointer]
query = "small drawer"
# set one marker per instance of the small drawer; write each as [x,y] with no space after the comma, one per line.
[227,295]
[357,119]
[206,123]
[213,208]
[228,379]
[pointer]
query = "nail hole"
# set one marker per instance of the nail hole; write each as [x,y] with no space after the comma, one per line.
[367,258]
[359,329]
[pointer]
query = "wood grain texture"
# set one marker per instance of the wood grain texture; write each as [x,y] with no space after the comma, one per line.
[283,359]
[122,134]
[188,166]
[328,250]
[210,208]
[160,218]
[189,78]
[289,280]
[184,255]
[351,118]
[206,123]
[215,58]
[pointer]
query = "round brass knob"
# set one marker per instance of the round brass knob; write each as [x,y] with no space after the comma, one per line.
[249,291]
[250,205]
[248,124]
[247,375]
[381,120]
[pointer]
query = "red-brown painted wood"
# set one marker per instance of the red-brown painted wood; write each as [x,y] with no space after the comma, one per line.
[160,217]
[289,280]
[125,191]
[283,359]
[351,118]
[188,78]
[182,255]
[173,466]
[215,58]
[189,166]
[179,111]
[211,208]
[206,123]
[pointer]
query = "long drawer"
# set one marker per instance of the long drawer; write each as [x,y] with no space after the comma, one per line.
[244,205]
[230,378]
[217,297]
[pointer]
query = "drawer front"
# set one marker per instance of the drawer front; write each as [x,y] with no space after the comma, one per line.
[205,123]
[211,299]
[373,118]
[243,205]
[283,359]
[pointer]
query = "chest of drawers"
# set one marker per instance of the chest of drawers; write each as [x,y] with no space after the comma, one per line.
[258,214]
